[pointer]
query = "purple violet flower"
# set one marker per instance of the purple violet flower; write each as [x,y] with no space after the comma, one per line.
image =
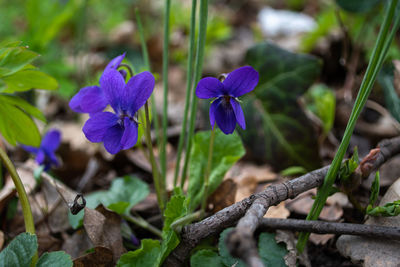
[225,108]
[91,99]
[119,130]
[45,152]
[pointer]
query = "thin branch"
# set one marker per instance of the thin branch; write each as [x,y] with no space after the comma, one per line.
[320,227]
[192,234]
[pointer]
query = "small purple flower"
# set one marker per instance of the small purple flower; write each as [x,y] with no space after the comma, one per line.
[91,99]
[119,130]
[45,153]
[225,109]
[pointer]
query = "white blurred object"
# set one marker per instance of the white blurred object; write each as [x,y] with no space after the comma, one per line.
[283,22]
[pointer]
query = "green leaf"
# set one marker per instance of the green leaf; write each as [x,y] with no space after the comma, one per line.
[20,251]
[146,256]
[123,194]
[27,79]
[271,253]
[349,166]
[357,6]
[277,129]
[13,59]
[388,210]
[321,101]
[227,150]
[57,258]
[22,104]
[206,258]
[17,127]
[175,209]
[374,189]
[227,259]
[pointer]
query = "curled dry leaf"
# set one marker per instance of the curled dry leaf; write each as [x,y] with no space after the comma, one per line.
[104,229]
[303,203]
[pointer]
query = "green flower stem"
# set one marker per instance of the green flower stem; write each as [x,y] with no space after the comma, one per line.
[23,197]
[189,84]
[201,43]
[158,182]
[207,173]
[142,223]
[163,156]
[178,224]
[380,50]
[148,67]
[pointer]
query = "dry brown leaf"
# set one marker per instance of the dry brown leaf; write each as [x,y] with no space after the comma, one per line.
[224,196]
[1,240]
[243,170]
[279,211]
[245,187]
[104,229]
[76,244]
[321,239]
[303,203]
[288,238]
[101,257]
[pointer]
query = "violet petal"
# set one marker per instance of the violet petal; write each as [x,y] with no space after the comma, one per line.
[51,141]
[237,109]
[241,81]
[209,87]
[112,83]
[112,139]
[225,117]
[137,91]
[94,100]
[96,127]
[130,136]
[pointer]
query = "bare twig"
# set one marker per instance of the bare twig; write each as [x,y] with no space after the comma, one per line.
[320,227]
[272,195]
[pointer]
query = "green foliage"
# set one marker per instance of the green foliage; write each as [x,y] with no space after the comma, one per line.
[16,72]
[57,258]
[22,248]
[152,253]
[27,79]
[123,194]
[48,18]
[389,209]
[227,150]
[374,191]
[145,256]
[357,6]
[176,208]
[20,251]
[326,21]
[271,253]
[16,126]
[226,257]
[321,101]
[349,166]
[206,258]
[277,129]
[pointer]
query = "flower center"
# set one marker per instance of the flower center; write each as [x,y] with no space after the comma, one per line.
[123,115]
